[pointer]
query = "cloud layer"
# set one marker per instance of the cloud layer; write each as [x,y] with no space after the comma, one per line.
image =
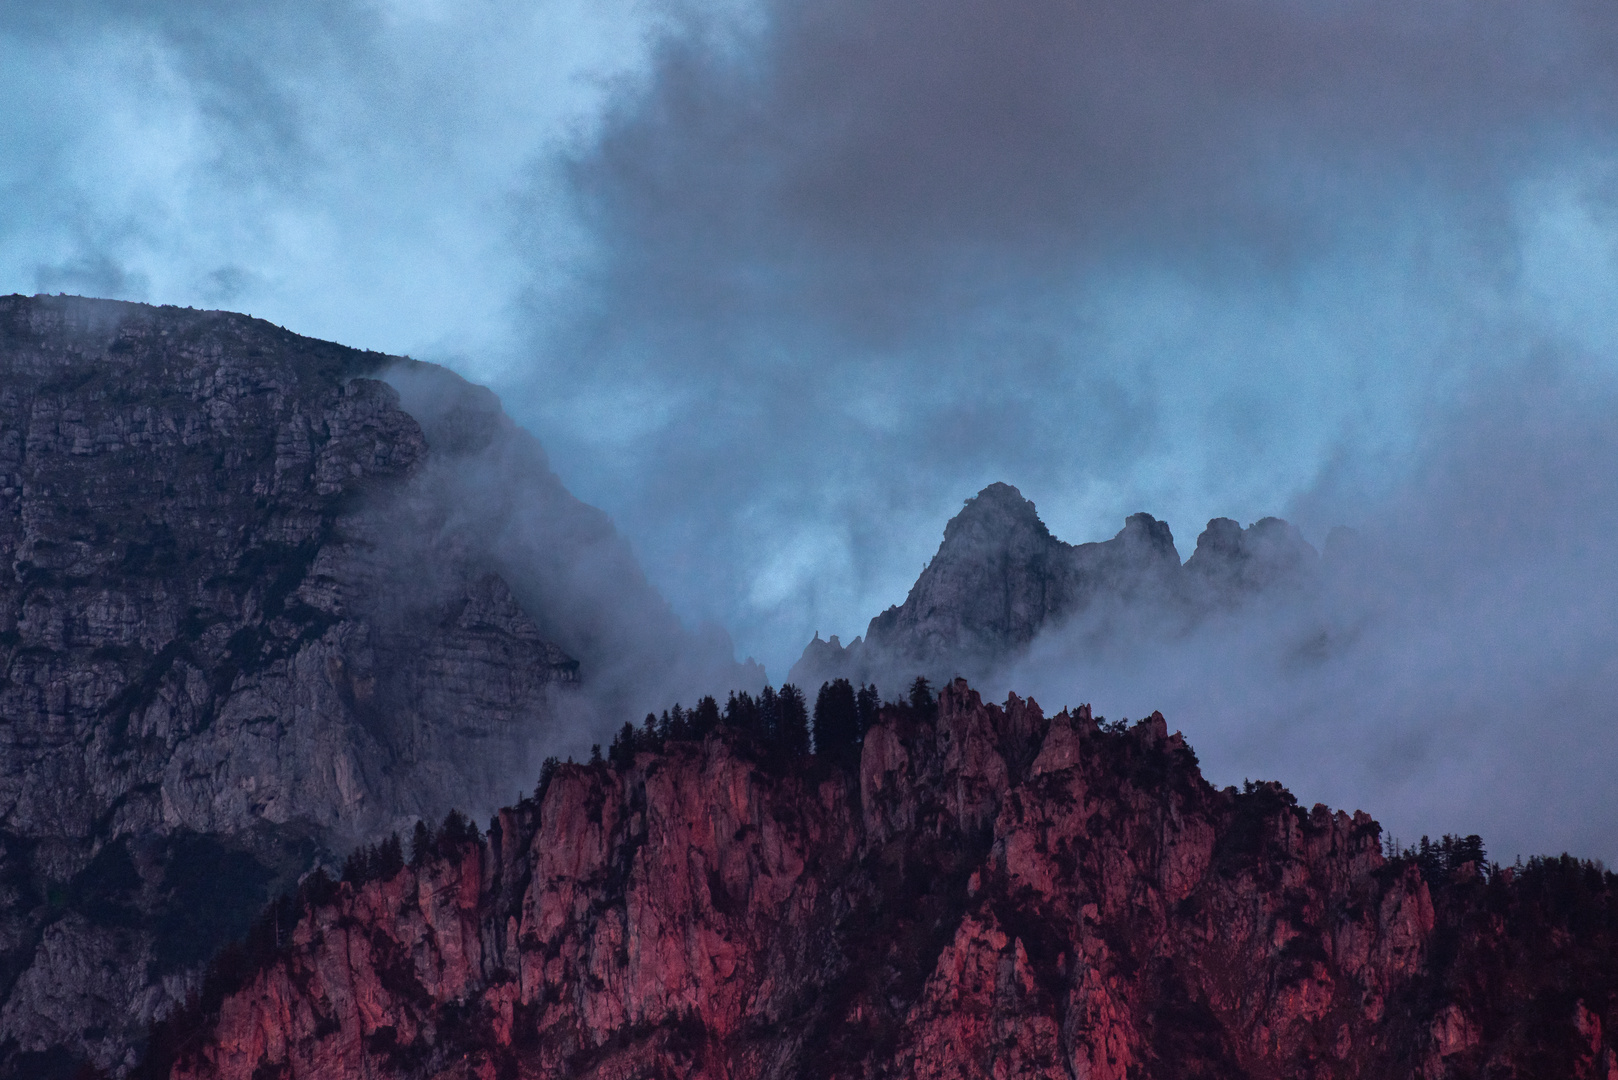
[361,170]
[856,261]
[778,284]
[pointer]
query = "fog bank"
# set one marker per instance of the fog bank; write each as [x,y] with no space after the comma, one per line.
[1456,667]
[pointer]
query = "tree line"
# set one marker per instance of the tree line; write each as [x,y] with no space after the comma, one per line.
[1438,859]
[780,719]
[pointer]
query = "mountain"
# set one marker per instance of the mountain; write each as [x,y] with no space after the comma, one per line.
[267,601]
[258,605]
[1000,578]
[990,892]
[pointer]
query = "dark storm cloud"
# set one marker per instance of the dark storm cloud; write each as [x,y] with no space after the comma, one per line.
[1350,262]
[856,260]
[900,143]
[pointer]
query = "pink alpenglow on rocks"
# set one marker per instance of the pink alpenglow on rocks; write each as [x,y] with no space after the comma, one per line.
[995,893]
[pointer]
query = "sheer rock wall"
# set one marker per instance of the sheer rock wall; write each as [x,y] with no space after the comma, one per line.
[218,658]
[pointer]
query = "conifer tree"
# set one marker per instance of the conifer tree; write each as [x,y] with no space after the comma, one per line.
[389,858]
[741,711]
[457,831]
[921,696]
[357,867]
[768,715]
[421,841]
[870,705]
[837,721]
[704,718]
[792,722]
[622,751]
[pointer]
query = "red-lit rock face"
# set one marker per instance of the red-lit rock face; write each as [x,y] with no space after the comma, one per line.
[995,895]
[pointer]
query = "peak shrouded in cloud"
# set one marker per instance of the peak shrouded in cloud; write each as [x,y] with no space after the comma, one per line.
[1450,662]
[1186,256]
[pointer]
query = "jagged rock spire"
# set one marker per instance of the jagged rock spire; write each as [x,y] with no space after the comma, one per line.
[1000,578]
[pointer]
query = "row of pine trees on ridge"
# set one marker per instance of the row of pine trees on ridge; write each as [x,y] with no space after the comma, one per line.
[780,719]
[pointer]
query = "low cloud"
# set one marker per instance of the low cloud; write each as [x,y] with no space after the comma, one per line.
[1455,668]
[487,499]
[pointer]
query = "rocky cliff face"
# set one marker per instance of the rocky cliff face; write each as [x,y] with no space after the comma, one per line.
[250,612]
[993,893]
[999,578]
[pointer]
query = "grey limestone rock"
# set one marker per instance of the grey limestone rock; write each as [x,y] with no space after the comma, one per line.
[1000,578]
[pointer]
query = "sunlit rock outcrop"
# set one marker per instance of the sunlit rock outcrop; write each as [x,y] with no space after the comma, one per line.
[992,893]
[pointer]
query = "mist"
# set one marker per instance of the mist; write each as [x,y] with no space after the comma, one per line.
[1453,667]
[776,284]
[486,497]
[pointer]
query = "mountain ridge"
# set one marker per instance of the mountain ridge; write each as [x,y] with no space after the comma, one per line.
[990,891]
[1000,578]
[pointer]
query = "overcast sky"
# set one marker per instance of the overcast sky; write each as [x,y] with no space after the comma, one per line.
[779,285]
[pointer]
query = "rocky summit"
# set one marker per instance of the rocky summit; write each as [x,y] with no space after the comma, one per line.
[253,610]
[999,578]
[987,892]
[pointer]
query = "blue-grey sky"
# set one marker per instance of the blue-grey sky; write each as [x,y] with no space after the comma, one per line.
[779,284]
